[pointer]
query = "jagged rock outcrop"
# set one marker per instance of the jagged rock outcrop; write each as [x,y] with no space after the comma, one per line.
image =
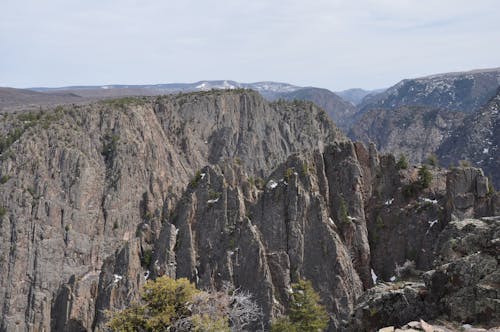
[261,236]
[462,286]
[218,187]
[464,282]
[404,225]
[81,181]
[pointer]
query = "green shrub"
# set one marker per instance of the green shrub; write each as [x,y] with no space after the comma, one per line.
[402,162]
[306,314]
[212,194]
[3,212]
[176,305]
[288,173]
[4,179]
[195,179]
[344,214]
[432,160]
[464,163]
[147,256]
[425,177]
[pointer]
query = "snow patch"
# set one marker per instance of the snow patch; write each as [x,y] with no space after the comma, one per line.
[393,278]
[271,184]
[212,201]
[146,275]
[428,200]
[331,221]
[389,201]
[431,223]
[117,278]
[374,277]
[202,175]
[486,150]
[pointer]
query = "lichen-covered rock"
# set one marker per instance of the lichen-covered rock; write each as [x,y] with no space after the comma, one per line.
[390,304]
[464,282]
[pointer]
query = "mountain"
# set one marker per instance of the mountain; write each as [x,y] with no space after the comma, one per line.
[223,187]
[338,109]
[477,140]
[267,89]
[355,96]
[429,115]
[461,91]
[416,132]
[11,98]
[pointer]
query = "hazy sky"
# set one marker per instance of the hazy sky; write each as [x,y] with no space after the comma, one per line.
[336,44]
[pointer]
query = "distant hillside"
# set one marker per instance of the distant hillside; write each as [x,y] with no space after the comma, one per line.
[463,91]
[417,117]
[477,141]
[267,89]
[355,96]
[11,98]
[337,108]
[413,131]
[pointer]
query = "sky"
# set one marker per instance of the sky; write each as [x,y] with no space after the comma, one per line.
[334,44]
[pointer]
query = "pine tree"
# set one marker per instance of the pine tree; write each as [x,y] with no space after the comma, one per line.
[306,314]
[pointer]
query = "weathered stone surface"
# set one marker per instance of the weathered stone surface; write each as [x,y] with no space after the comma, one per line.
[81,181]
[462,286]
[217,187]
[390,304]
[465,280]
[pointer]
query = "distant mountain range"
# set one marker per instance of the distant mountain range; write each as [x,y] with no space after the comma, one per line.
[340,110]
[414,117]
[452,115]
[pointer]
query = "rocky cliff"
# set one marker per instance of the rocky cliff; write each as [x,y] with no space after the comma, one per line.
[339,110]
[79,183]
[413,131]
[216,186]
[477,141]
[461,91]
[453,116]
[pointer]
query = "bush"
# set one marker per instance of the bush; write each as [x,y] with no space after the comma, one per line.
[432,160]
[146,258]
[425,177]
[176,305]
[344,214]
[195,179]
[464,163]
[3,212]
[402,162]
[4,179]
[306,314]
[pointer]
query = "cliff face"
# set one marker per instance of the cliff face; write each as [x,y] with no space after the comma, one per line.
[79,183]
[339,110]
[454,116]
[217,187]
[477,140]
[416,132]
[461,91]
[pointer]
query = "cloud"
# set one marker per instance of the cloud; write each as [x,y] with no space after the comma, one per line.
[330,43]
